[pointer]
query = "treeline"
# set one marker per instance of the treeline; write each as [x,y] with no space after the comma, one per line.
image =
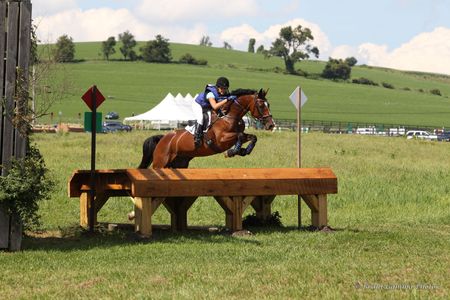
[157,50]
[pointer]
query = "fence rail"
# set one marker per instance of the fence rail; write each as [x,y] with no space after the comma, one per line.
[348,127]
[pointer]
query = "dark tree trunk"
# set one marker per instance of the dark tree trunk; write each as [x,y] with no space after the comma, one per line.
[289,66]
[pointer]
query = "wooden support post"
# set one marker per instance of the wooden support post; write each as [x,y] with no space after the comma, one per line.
[318,206]
[178,208]
[84,209]
[143,211]
[85,204]
[263,206]
[234,208]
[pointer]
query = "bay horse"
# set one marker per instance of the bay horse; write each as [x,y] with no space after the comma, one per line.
[176,149]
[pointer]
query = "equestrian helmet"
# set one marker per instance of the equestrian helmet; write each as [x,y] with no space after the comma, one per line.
[222,82]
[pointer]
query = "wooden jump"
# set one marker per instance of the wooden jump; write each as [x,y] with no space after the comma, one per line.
[177,190]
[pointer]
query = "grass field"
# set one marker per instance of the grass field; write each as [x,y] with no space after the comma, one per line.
[391,221]
[135,87]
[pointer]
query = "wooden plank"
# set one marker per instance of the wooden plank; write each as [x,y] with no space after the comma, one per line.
[234,208]
[178,208]
[23,65]
[15,236]
[143,216]
[84,209]
[263,206]
[229,174]
[11,63]
[239,182]
[4,230]
[2,65]
[318,206]
[111,180]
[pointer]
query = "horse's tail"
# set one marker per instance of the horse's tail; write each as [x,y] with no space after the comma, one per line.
[147,150]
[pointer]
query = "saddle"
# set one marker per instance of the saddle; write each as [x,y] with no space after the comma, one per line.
[207,120]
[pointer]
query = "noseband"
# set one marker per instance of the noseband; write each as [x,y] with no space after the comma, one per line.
[261,113]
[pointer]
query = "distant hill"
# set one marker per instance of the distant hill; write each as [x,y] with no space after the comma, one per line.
[135,87]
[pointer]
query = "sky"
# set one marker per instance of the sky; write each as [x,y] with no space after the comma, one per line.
[401,34]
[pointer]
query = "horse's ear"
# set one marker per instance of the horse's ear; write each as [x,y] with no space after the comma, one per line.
[266,92]
[260,94]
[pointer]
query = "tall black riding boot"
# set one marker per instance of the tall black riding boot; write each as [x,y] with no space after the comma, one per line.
[198,136]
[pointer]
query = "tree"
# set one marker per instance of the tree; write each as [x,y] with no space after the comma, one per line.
[128,43]
[260,49]
[293,45]
[251,45]
[189,59]
[157,50]
[65,49]
[205,41]
[227,46]
[108,47]
[351,61]
[336,69]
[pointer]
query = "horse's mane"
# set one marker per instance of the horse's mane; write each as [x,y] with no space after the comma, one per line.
[240,92]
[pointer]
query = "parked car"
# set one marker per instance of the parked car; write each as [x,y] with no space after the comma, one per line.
[115,126]
[112,115]
[444,136]
[420,134]
[368,130]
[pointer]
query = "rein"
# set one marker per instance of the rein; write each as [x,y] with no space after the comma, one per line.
[242,108]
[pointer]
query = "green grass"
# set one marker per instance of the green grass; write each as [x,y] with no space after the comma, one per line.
[391,218]
[137,86]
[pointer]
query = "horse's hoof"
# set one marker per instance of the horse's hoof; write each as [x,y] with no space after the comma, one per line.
[131,216]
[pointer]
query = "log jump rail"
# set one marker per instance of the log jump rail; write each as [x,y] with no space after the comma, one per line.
[177,189]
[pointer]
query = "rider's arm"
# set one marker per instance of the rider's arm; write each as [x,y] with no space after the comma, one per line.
[216,105]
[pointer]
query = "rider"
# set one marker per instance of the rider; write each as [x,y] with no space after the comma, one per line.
[213,98]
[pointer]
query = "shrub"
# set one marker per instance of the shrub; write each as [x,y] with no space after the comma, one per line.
[351,61]
[436,92]
[189,59]
[363,80]
[157,50]
[25,185]
[336,69]
[387,85]
[300,72]
[65,49]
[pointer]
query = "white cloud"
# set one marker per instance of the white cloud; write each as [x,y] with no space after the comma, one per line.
[50,7]
[89,25]
[238,36]
[99,24]
[428,52]
[167,11]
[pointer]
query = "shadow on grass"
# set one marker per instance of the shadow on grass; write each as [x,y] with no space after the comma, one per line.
[75,238]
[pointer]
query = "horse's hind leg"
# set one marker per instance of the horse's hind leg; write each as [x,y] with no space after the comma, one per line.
[180,162]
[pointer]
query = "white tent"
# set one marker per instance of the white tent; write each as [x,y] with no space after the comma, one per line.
[169,113]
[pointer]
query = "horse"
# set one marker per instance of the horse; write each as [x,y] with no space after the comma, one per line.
[176,149]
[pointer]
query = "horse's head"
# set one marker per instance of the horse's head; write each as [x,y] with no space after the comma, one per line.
[260,109]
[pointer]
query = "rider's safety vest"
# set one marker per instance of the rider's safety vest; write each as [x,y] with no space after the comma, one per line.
[201,98]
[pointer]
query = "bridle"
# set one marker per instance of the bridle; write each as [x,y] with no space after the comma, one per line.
[260,111]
